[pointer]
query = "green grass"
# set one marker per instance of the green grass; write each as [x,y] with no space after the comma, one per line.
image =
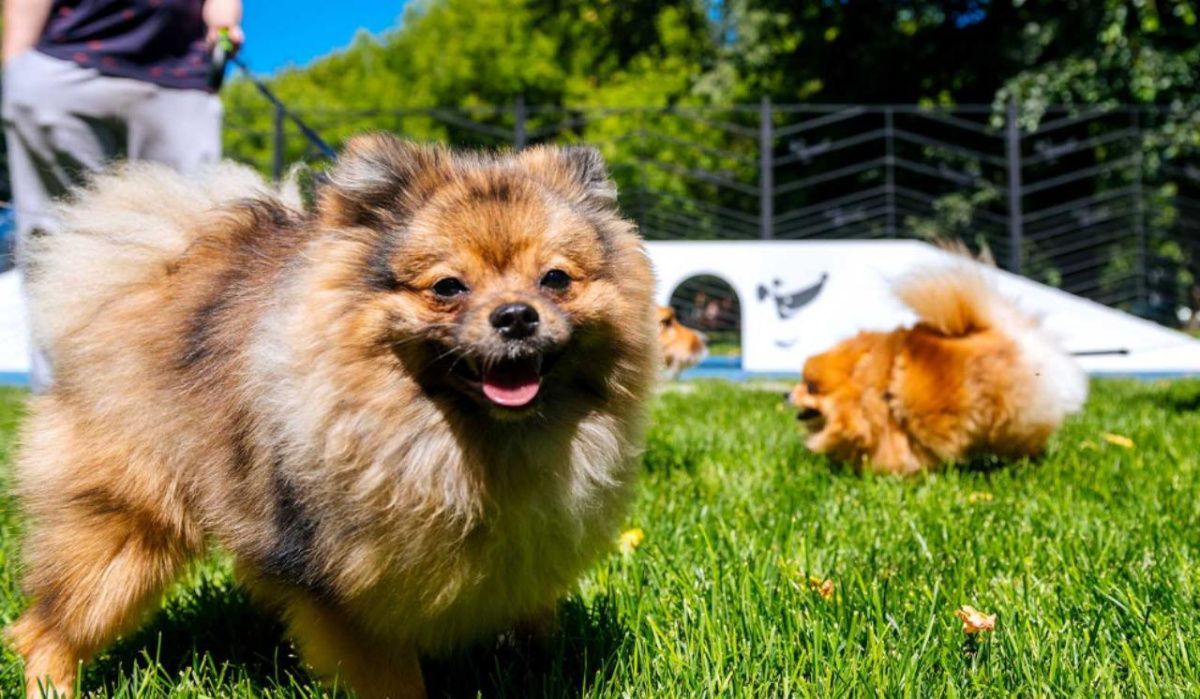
[723,343]
[1090,558]
[724,348]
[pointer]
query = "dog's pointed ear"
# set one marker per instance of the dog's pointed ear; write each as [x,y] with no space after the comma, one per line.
[592,173]
[376,178]
[577,171]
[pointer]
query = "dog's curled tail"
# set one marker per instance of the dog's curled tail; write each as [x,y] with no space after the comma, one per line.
[118,233]
[956,300]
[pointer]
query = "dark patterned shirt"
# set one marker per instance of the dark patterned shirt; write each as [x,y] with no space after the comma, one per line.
[157,41]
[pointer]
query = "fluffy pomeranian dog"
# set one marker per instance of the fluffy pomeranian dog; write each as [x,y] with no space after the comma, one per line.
[974,376]
[411,414]
[681,346]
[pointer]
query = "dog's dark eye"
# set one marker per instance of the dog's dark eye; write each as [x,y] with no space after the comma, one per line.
[811,387]
[556,279]
[449,287]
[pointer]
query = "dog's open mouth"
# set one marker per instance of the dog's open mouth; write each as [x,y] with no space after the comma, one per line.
[808,414]
[509,383]
[812,419]
[513,383]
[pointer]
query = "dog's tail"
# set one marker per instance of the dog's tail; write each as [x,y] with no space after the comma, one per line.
[118,233]
[956,300]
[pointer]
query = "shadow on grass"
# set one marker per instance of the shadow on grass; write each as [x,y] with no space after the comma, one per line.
[977,463]
[213,625]
[1181,396]
[581,654]
[1176,395]
[988,463]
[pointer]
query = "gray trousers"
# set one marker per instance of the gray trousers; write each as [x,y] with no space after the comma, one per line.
[62,120]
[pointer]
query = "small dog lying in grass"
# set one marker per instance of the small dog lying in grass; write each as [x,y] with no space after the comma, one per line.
[682,347]
[410,414]
[974,376]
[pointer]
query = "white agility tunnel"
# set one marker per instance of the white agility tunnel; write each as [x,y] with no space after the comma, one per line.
[799,298]
[14,337]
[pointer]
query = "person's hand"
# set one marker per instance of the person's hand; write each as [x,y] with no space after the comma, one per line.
[236,37]
[224,15]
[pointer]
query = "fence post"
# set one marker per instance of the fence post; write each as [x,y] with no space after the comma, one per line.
[1139,224]
[766,171]
[889,185]
[1013,139]
[520,116]
[278,144]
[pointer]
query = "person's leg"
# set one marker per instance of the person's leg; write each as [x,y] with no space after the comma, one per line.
[31,209]
[30,185]
[60,122]
[179,128]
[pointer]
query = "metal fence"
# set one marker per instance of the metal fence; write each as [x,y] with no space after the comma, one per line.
[1102,202]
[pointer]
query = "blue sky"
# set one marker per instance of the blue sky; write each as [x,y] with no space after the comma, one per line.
[279,33]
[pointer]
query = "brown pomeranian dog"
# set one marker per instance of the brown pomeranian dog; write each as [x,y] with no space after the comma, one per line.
[681,346]
[974,376]
[411,414]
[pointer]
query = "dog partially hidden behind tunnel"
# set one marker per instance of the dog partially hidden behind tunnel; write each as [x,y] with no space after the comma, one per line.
[411,414]
[974,376]
[681,346]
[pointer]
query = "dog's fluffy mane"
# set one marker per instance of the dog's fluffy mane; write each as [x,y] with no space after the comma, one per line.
[121,231]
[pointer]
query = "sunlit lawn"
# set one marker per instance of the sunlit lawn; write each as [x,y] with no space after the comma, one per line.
[1090,558]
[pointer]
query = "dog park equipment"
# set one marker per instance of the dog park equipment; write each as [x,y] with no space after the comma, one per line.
[14,333]
[800,298]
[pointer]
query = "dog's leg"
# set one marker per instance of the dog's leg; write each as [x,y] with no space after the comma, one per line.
[93,567]
[338,652]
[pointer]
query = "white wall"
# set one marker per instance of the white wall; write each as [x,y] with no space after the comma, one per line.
[14,339]
[856,296]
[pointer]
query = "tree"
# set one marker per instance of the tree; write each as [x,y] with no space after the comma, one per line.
[1139,53]
[477,55]
[455,70]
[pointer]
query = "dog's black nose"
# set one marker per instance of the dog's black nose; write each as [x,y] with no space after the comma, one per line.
[515,321]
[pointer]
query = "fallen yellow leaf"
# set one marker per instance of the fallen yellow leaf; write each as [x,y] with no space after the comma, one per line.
[979,496]
[974,620]
[822,587]
[630,540]
[1120,441]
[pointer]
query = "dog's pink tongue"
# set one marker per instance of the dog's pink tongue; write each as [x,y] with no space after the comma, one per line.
[512,384]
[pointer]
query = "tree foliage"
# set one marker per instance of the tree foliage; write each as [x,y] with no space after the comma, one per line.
[577,63]
[482,55]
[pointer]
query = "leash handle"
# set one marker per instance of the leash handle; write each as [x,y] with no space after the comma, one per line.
[222,51]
